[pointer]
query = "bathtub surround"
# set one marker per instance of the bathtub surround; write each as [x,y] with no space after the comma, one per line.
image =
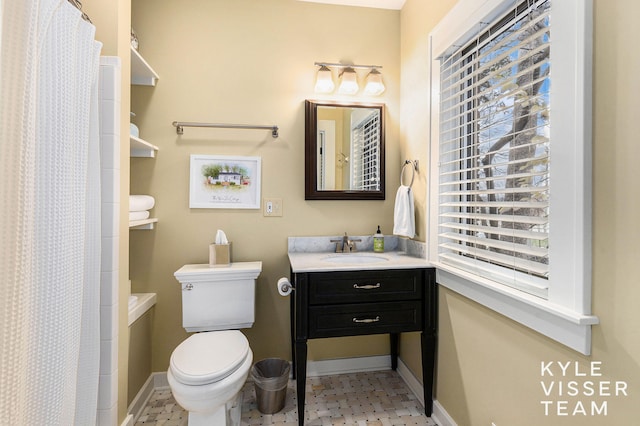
[110,83]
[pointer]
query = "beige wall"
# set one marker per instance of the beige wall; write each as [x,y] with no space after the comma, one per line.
[249,61]
[140,348]
[489,366]
[417,19]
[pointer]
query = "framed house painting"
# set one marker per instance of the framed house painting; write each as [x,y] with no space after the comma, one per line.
[224,182]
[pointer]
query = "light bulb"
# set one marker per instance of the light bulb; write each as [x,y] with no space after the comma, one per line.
[349,82]
[324,80]
[374,86]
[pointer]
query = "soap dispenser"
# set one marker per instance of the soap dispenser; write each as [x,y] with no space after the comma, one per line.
[378,241]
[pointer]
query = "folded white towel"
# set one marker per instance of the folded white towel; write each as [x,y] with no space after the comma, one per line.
[138,215]
[404,220]
[138,203]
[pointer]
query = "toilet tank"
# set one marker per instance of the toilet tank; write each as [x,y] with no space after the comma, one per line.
[220,298]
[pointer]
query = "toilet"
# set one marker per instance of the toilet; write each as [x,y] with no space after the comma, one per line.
[207,370]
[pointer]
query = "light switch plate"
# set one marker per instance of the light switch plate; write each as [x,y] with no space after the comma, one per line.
[272,207]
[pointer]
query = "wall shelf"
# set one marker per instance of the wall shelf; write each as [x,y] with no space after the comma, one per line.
[142,75]
[141,148]
[144,302]
[141,72]
[143,224]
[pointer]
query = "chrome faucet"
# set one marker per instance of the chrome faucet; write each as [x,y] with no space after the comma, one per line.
[345,244]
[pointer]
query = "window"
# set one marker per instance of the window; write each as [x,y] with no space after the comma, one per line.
[322,142]
[510,150]
[494,151]
[365,149]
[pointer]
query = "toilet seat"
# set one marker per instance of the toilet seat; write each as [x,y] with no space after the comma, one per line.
[209,357]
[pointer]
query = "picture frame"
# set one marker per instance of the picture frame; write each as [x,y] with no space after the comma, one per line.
[224,182]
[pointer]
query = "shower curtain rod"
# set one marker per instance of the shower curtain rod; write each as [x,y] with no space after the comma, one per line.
[78,5]
[180,125]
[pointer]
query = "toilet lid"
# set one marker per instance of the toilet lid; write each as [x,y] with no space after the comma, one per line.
[208,357]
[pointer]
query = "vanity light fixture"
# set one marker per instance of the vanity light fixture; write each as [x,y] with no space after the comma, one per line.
[374,86]
[324,80]
[348,82]
[348,79]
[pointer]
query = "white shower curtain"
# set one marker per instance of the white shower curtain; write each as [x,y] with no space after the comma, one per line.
[49,215]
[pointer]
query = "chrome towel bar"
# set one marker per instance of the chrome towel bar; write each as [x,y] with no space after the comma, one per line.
[180,125]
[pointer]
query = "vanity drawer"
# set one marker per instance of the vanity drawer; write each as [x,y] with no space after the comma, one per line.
[365,286]
[364,318]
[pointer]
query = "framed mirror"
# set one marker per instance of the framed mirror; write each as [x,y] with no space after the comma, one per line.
[344,151]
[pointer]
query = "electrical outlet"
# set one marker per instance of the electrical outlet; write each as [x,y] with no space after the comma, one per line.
[272,207]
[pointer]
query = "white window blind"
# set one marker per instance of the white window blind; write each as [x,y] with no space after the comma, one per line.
[322,148]
[365,169]
[494,151]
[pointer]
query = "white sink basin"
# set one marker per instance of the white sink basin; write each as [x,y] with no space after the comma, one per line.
[354,258]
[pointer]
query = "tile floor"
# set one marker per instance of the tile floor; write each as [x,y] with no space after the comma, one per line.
[379,398]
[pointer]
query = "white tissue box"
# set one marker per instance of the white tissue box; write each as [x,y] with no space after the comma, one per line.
[219,255]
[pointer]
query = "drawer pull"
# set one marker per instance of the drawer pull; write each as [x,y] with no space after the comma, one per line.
[366,320]
[366,286]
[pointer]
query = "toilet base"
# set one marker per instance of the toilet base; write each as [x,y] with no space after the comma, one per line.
[213,404]
[215,418]
[227,415]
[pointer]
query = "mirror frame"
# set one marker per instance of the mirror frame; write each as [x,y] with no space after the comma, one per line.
[311,191]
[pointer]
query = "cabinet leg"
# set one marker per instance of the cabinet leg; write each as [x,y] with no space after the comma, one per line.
[292,310]
[428,369]
[393,337]
[301,377]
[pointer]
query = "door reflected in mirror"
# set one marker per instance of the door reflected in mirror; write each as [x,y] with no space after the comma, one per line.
[345,150]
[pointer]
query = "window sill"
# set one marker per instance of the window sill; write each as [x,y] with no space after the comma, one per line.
[570,328]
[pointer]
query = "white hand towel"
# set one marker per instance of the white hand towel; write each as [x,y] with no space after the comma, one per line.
[138,215]
[404,220]
[139,203]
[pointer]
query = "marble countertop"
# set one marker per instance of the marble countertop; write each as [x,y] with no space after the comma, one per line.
[317,254]
[326,262]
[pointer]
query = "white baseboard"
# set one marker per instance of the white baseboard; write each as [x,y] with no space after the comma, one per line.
[160,380]
[314,369]
[155,381]
[439,414]
[329,367]
[411,380]
[128,421]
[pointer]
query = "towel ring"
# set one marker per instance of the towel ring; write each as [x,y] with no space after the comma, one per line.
[414,167]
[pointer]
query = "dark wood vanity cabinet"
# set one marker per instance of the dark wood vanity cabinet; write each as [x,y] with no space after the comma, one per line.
[350,303]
